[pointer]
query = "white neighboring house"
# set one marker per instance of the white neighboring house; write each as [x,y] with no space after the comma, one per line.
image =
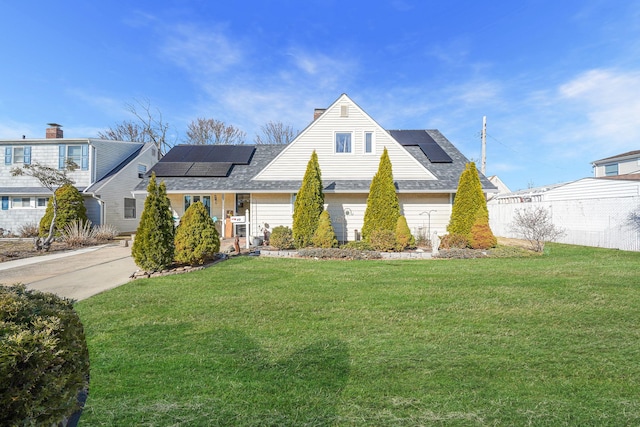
[107,172]
[622,165]
[592,211]
[264,179]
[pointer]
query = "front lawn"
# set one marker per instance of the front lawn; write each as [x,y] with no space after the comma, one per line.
[551,340]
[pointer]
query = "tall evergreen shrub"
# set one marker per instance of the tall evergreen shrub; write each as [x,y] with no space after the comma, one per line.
[153,247]
[383,208]
[70,208]
[309,204]
[469,203]
[196,239]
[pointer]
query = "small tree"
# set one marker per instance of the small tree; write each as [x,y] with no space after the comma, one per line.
[51,179]
[404,238]
[383,208]
[70,209]
[196,238]
[153,247]
[325,236]
[281,237]
[309,204]
[469,203]
[535,226]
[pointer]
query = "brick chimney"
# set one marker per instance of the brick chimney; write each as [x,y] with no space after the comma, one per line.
[54,131]
[318,112]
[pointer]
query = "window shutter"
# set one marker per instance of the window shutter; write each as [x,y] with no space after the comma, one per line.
[7,155]
[27,155]
[62,151]
[85,157]
[5,203]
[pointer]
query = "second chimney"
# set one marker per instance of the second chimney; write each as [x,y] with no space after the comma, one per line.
[54,131]
[318,112]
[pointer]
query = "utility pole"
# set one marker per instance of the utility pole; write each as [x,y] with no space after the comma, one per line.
[483,165]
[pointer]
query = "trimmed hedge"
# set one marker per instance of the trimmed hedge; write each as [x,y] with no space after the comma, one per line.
[44,361]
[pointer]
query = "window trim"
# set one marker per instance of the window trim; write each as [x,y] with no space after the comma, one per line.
[335,142]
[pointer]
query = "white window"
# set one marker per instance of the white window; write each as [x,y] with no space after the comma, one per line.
[368,143]
[18,154]
[74,153]
[129,208]
[21,202]
[343,142]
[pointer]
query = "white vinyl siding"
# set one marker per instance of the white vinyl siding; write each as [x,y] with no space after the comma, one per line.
[320,136]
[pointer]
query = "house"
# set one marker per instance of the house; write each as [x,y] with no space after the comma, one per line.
[591,211]
[264,179]
[500,185]
[625,166]
[107,172]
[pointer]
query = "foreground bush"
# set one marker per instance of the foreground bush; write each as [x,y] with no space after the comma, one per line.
[404,238]
[454,241]
[78,233]
[105,232]
[325,236]
[281,237]
[44,361]
[382,240]
[197,239]
[70,208]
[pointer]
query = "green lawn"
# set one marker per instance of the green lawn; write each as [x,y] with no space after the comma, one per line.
[551,340]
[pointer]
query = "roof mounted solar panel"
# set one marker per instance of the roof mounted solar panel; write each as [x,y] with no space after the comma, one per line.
[212,169]
[238,154]
[434,152]
[170,169]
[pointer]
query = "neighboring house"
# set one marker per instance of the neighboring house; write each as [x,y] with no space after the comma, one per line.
[592,211]
[107,172]
[623,164]
[265,178]
[500,185]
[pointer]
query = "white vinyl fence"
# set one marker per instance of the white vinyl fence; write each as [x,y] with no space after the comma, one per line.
[599,222]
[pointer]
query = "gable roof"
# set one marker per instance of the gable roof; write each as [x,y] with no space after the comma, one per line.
[426,161]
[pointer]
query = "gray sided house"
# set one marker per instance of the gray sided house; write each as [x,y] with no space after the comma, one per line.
[107,172]
[264,179]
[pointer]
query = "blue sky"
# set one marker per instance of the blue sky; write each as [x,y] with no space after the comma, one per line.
[559,81]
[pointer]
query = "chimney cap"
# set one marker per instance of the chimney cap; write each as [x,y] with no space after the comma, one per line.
[55,125]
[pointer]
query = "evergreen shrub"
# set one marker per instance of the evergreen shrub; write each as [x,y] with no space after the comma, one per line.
[404,238]
[325,237]
[454,241]
[468,204]
[153,247]
[309,205]
[481,235]
[70,208]
[44,361]
[281,237]
[197,239]
[383,240]
[383,208]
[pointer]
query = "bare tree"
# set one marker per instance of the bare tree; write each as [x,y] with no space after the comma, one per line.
[211,131]
[149,127]
[536,227]
[276,133]
[51,179]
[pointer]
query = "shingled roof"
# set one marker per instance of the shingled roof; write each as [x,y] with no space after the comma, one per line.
[240,175]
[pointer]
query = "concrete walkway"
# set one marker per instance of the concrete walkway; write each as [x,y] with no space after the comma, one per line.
[73,274]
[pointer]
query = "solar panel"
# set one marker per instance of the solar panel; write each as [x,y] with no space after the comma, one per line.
[238,154]
[212,169]
[434,152]
[171,168]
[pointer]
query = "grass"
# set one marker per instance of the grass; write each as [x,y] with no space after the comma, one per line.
[551,340]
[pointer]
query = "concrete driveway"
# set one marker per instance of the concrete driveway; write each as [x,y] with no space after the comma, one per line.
[74,274]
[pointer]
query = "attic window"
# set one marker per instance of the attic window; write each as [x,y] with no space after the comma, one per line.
[344,111]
